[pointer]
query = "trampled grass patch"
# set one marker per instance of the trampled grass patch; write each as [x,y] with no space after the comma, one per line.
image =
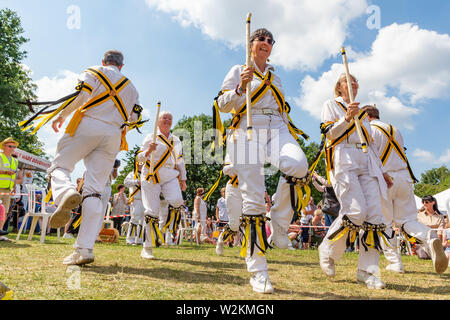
[190,272]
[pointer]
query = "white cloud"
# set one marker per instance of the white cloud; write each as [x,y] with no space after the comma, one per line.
[53,88]
[58,86]
[406,66]
[306,33]
[428,157]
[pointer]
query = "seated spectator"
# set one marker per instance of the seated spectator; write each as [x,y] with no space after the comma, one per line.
[319,230]
[430,216]
[294,234]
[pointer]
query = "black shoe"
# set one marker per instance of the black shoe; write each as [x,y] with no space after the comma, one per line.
[3,233]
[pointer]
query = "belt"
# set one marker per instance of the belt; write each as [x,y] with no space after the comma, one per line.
[351,145]
[266,111]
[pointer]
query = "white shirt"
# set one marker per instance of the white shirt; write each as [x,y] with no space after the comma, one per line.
[132,184]
[394,161]
[331,111]
[203,211]
[107,111]
[223,213]
[174,161]
[230,101]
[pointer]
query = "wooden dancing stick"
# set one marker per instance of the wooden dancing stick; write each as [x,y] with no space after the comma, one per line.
[155,131]
[249,85]
[352,99]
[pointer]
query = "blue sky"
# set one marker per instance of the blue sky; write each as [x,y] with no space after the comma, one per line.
[179,52]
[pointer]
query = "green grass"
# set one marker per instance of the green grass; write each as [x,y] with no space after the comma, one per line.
[35,271]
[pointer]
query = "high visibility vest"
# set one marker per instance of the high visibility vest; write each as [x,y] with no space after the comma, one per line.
[7,181]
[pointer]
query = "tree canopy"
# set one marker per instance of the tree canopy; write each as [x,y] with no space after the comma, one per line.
[433,181]
[15,83]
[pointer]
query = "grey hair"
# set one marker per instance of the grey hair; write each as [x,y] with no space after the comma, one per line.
[113,57]
[260,32]
[163,113]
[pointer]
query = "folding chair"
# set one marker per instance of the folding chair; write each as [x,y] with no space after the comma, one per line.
[31,212]
[186,232]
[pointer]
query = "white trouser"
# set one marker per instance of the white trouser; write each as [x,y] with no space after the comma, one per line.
[359,196]
[97,143]
[271,142]
[400,209]
[136,218]
[105,198]
[233,201]
[163,214]
[151,199]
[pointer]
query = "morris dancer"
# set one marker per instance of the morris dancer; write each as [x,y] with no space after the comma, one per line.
[136,226]
[106,105]
[166,175]
[400,207]
[358,180]
[274,141]
[233,202]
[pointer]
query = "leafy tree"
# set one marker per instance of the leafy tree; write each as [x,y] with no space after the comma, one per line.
[433,181]
[15,83]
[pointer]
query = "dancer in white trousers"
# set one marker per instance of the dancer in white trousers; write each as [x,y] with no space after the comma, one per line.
[359,184]
[233,203]
[95,134]
[400,208]
[136,227]
[166,175]
[271,142]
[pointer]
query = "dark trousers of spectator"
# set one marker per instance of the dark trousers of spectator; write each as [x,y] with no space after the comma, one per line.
[117,223]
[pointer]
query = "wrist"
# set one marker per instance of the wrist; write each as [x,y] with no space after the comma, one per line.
[239,90]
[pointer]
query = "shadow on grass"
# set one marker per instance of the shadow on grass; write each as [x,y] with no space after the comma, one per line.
[311,295]
[210,264]
[168,274]
[409,288]
[13,244]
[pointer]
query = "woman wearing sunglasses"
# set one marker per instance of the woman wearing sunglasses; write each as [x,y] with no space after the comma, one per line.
[430,216]
[271,142]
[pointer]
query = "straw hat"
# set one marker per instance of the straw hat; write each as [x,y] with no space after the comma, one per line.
[9,140]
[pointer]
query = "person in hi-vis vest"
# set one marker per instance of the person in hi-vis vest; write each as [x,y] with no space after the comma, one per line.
[9,173]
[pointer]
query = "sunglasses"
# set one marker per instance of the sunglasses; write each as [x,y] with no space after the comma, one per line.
[11,146]
[427,201]
[265,39]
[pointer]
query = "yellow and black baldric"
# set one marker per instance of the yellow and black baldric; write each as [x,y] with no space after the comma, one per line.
[234,181]
[133,194]
[329,150]
[112,92]
[257,94]
[392,144]
[253,229]
[155,176]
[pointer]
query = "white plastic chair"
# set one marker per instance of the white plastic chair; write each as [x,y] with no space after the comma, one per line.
[31,212]
[186,232]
